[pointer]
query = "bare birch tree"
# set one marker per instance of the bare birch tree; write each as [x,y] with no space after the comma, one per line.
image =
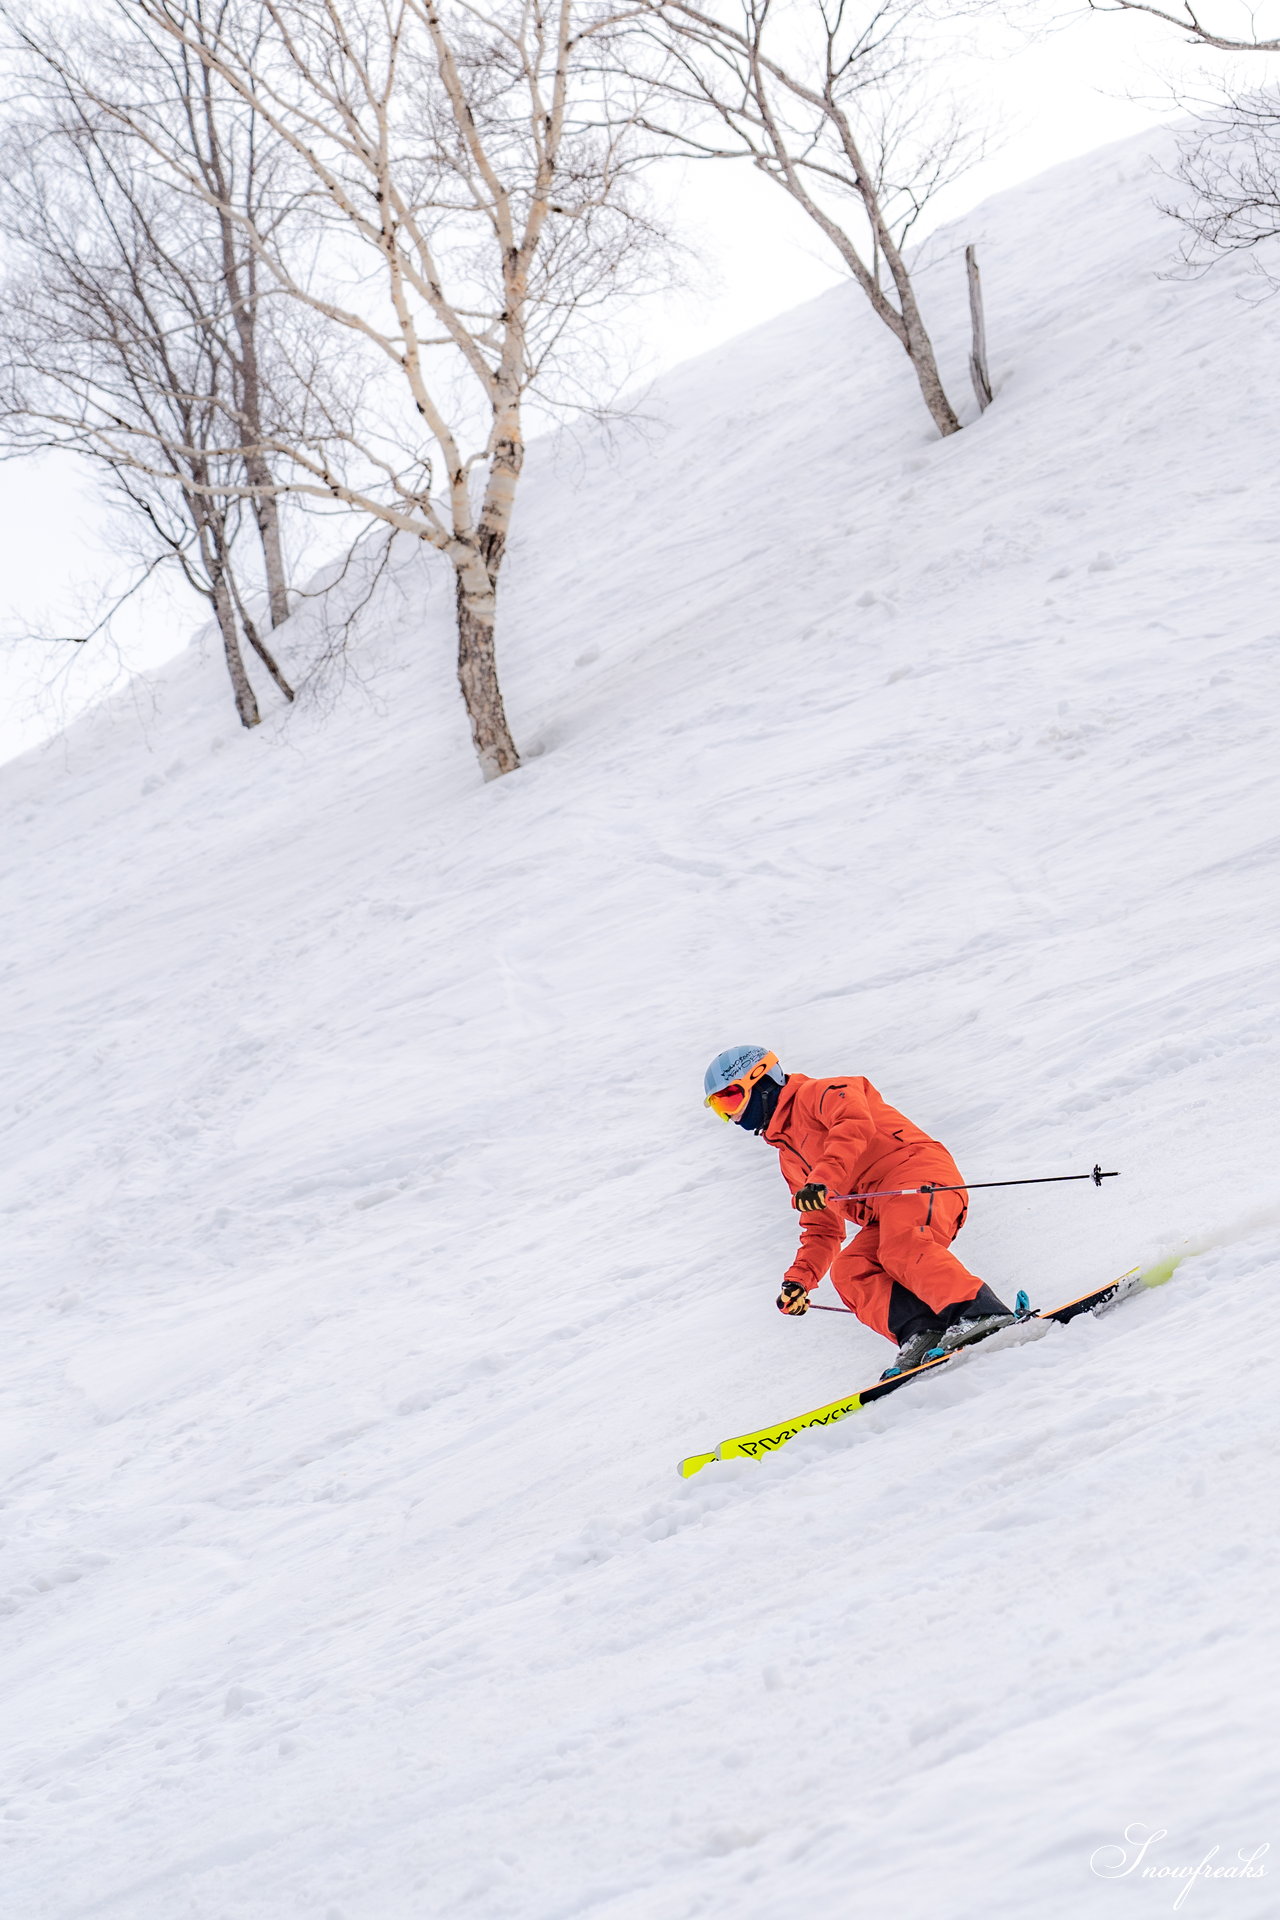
[120,344]
[837,104]
[132,322]
[468,179]
[242,192]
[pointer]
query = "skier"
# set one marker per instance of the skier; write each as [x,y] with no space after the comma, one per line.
[836,1138]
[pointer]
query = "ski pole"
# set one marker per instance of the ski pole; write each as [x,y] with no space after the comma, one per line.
[931,1187]
[963,1186]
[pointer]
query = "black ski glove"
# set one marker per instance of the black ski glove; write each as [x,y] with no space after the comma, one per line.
[793,1298]
[811,1199]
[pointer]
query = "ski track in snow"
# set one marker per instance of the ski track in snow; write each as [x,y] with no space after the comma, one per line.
[370,1261]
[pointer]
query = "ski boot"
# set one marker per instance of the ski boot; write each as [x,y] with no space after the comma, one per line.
[912,1351]
[973,1320]
[965,1332]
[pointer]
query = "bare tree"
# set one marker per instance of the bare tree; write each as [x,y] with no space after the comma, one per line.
[116,336]
[227,150]
[132,323]
[469,186]
[835,102]
[1210,30]
[1230,159]
[1230,156]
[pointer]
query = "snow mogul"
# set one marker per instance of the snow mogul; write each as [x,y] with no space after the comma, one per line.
[843,1151]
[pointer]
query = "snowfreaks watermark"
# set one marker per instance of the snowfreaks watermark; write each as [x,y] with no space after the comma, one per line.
[1136,1857]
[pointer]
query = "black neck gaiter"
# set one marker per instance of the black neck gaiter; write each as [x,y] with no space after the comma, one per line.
[761,1102]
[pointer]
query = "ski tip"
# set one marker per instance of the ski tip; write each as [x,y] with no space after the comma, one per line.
[694,1464]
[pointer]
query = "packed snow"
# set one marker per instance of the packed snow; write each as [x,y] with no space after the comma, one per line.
[371,1260]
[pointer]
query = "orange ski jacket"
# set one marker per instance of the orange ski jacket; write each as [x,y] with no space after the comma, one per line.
[841,1133]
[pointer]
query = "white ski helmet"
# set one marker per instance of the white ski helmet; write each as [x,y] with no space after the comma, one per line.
[733,1073]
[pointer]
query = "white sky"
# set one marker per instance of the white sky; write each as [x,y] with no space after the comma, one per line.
[1093,80]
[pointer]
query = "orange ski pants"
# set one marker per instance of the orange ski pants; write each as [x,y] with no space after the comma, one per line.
[901,1242]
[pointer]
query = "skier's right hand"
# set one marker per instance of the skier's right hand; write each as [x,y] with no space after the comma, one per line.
[793,1298]
[811,1198]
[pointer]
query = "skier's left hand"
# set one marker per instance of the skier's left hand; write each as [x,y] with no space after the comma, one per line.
[793,1298]
[811,1199]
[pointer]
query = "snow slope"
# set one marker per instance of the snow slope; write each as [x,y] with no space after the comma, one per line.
[370,1260]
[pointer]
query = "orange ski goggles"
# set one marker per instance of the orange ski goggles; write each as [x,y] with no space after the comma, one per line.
[729,1101]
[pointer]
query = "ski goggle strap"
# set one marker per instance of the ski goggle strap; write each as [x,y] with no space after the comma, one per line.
[729,1101]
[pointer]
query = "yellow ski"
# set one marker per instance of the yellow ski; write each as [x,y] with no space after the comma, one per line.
[754,1446]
